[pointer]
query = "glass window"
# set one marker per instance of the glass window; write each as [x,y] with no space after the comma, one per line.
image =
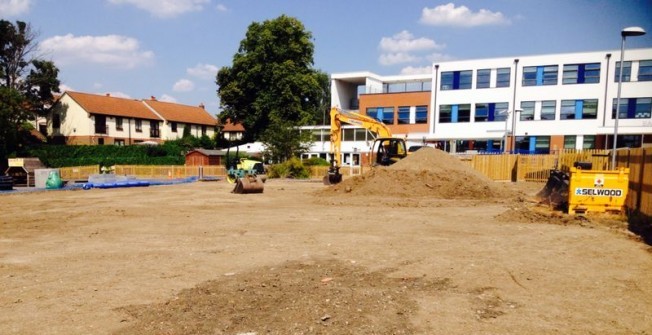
[464,113]
[569,141]
[483,78]
[348,134]
[403,115]
[643,108]
[445,112]
[118,123]
[466,79]
[527,110]
[56,121]
[627,72]
[567,110]
[542,144]
[589,142]
[481,112]
[581,73]
[446,81]
[139,125]
[550,74]
[548,109]
[173,126]
[590,109]
[421,114]
[529,76]
[499,107]
[388,115]
[645,70]
[633,108]
[360,134]
[503,77]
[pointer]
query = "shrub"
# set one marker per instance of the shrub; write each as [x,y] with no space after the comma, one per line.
[315,161]
[292,168]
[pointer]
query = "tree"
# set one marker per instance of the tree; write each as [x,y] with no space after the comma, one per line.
[26,85]
[271,85]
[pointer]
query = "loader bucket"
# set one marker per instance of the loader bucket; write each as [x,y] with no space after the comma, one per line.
[555,192]
[249,184]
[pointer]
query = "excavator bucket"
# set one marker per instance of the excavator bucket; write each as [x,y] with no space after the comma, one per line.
[333,176]
[555,192]
[249,184]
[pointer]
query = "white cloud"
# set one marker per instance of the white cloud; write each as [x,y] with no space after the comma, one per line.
[462,16]
[397,58]
[167,98]
[405,41]
[64,88]
[183,85]
[14,7]
[416,70]
[111,50]
[438,57]
[221,8]
[165,8]
[203,71]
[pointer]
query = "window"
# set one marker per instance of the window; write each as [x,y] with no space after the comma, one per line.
[56,121]
[203,130]
[456,80]
[421,115]
[100,124]
[627,72]
[491,111]
[548,109]
[579,109]
[540,75]
[483,78]
[455,113]
[542,144]
[173,126]
[383,114]
[410,86]
[119,142]
[633,108]
[118,123]
[581,73]
[445,113]
[645,70]
[589,142]
[527,110]
[153,129]
[139,125]
[348,134]
[503,77]
[481,112]
[360,134]
[403,115]
[569,141]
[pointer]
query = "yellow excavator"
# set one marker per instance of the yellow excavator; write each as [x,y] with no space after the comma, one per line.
[386,150]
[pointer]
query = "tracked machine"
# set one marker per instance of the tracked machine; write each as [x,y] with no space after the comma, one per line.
[386,150]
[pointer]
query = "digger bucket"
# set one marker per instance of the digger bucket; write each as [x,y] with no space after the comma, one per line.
[555,192]
[249,184]
[333,176]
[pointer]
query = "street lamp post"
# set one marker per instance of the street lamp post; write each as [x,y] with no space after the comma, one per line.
[514,129]
[629,31]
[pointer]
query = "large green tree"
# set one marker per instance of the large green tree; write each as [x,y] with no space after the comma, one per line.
[27,84]
[272,85]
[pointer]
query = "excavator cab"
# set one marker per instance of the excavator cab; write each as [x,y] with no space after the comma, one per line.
[388,151]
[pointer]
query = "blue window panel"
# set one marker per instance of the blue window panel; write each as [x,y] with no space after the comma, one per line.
[539,75]
[456,80]
[579,106]
[631,108]
[379,114]
[580,74]
[533,144]
[455,113]
[492,111]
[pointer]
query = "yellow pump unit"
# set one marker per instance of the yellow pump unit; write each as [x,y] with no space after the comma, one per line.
[597,191]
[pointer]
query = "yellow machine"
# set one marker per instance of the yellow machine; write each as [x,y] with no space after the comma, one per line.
[584,190]
[386,150]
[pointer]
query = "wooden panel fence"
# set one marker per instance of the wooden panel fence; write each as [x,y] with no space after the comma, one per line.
[78,172]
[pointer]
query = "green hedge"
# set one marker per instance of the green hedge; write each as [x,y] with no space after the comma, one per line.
[56,156]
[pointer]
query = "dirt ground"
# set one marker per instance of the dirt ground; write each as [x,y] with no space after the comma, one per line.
[303,258]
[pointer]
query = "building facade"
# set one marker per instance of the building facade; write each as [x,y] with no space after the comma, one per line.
[527,104]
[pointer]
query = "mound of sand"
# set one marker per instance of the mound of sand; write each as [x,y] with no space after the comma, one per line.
[427,172]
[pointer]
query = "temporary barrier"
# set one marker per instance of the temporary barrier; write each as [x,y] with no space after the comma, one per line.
[597,190]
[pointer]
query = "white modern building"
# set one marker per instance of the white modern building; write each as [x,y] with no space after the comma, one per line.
[526,104]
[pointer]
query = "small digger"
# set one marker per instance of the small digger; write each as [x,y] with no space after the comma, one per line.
[248,175]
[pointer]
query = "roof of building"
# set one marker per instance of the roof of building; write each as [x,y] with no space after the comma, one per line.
[108,105]
[182,113]
[207,152]
[230,126]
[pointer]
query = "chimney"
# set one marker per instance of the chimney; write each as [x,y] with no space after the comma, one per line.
[201,105]
[153,98]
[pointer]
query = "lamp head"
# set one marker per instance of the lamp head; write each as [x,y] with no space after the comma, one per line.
[632,31]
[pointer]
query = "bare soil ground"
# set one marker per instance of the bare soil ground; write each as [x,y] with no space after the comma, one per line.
[439,250]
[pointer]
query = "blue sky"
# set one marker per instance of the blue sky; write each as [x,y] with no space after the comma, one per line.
[172,49]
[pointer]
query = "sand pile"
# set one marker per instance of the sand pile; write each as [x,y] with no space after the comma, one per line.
[427,172]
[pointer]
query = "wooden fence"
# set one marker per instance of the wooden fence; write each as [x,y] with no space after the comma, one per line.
[81,173]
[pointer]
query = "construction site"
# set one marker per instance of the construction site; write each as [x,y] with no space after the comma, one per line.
[425,246]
